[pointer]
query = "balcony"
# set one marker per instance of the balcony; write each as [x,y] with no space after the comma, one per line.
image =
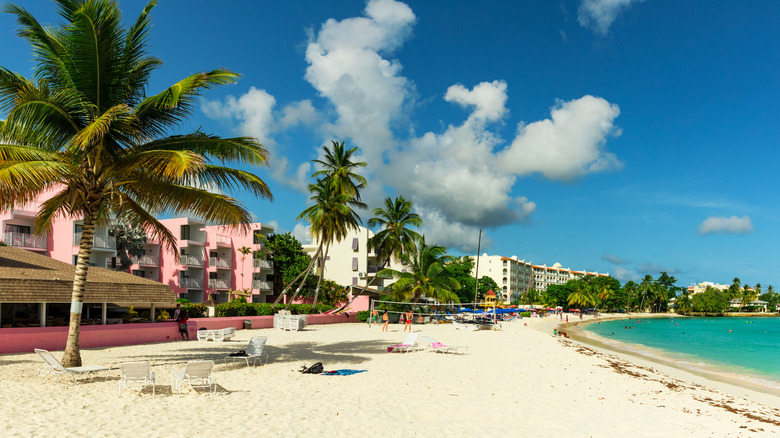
[191,283]
[262,264]
[188,260]
[215,283]
[219,263]
[99,241]
[223,240]
[24,240]
[373,269]
[146,260]
[262,285]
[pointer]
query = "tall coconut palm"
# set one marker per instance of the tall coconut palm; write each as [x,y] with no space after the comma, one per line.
[395,239]
[605,292]
[338,170]
[646,289]
[331,217]
[581,296]
[85,128]
[428,276]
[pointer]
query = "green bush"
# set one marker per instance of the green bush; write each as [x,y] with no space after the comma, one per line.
[182,300]
[362,316]
[195,310]
[525,314]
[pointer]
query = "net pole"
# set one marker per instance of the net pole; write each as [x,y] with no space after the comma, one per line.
[371,314]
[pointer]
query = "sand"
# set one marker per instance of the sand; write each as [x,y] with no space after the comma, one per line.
[520,381]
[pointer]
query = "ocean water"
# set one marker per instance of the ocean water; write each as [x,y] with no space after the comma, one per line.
[747,349]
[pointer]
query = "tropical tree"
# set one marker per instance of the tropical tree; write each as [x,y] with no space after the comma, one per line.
[581,296]
[646,290]
[428,276]
[338,170]
[288,256]
[244,251]
[630,290]
[130,242]
[683,303]
[85,129]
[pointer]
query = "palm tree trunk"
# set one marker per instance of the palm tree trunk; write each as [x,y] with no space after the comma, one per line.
[308,270]
[72,355]
[319,281]
[304,272]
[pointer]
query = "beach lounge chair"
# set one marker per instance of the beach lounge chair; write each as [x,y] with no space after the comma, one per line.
[223,334]
[254,351]
[409,344]
[197,374]
[53,366]
[441,348]
[203,334]
[140,372]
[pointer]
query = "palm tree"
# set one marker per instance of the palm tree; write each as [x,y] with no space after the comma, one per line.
[395,239]
[428,276]
[630,289]
[245,251]
[581,295]
[605,292]
[338,170]
[331,218]
[646,289]
[85,128]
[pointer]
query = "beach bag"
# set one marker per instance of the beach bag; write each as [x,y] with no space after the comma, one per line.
[314,369]
[240,353]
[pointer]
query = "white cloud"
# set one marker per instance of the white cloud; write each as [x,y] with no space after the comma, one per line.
[624,274]
[615,259]
[301,232]
[488,98]
[568,145]
[298,113]
[254,110]
[439,230]
[599,14]
[726,225]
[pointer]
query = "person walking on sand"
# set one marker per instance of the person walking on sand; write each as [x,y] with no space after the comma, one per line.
[385,320]
[408,316]
[182,320]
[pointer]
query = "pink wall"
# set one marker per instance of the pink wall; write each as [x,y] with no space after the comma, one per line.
[25,340]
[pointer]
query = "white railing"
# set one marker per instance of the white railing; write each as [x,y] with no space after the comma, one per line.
[191,283]
[263,264]
[189,260]
[215,283]
[262,285]
[24,240]
[219,262]
[99,241]
[146,260]
[223,240]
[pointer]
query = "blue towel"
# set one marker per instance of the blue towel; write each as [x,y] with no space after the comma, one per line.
[342,372]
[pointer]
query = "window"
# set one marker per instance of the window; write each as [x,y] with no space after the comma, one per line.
[21,229]
[138,273]
[212,275]
[185,232]
[78,228]
[257,237]
[354,263]
[355,243]
[354,281]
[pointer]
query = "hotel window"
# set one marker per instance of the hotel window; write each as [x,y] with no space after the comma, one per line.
[355,244]
[354,263]
[185,232]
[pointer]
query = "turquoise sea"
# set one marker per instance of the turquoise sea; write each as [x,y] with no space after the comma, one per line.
[746,349]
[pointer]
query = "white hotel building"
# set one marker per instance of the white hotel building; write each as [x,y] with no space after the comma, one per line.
[514,277]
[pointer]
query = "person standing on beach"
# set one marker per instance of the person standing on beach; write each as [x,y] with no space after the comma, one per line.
[182,320]
[408,315]
[374,316]
[177,312]
[385,320]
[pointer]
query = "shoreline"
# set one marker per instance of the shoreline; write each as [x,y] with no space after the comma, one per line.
[731,384]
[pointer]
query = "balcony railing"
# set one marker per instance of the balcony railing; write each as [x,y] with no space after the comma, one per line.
[215,283]
[24,240]
[189,260]
[219,262]
[146,260]
[99,241]
[191,283]
[262,264]
[224,240]
[262,285]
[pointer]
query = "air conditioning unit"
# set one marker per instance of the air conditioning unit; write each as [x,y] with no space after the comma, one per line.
[361,275]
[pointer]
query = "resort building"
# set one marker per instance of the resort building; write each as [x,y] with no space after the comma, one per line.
[701,287]
[515,277]
[350,262]
[212,260]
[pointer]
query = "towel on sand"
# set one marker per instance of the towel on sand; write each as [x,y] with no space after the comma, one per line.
[342,372]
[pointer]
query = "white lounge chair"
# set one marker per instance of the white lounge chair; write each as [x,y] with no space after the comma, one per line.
[222,334]
[140,372]
[409,344]
[53,366]
[197,374]
[203,335]
[438,347]
[254,351]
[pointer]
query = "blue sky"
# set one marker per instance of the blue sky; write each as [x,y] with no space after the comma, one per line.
[621,136]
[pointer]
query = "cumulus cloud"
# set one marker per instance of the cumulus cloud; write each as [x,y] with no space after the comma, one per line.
[440,230]
[569,144]
[487,98]
[655,268]
[726,225]
[615,259]
[598,15]
[301,232]
[624,274]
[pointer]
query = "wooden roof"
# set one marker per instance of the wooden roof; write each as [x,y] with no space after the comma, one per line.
[26,277]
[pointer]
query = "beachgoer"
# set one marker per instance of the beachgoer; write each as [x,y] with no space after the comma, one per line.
[408,316]
[419,319]
[176,312]
[385,320]
[182,320]
[555,332]
[374,315]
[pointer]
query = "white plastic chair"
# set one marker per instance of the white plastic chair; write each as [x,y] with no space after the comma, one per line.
[438,347]
[254,351]
[409,344]
[197,374]
[140,372]
[53,366]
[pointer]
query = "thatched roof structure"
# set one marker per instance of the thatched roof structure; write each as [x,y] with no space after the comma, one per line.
[26,277]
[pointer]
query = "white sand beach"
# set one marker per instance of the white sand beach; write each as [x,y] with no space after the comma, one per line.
[520,381]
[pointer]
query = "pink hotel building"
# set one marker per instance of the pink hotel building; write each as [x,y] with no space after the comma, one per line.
[210,263]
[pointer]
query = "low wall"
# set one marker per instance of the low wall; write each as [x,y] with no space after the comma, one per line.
[26,339]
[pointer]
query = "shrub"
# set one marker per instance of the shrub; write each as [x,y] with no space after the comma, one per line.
[163,315]
[525,314]
[195,310]
[182,300]
[362,316]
